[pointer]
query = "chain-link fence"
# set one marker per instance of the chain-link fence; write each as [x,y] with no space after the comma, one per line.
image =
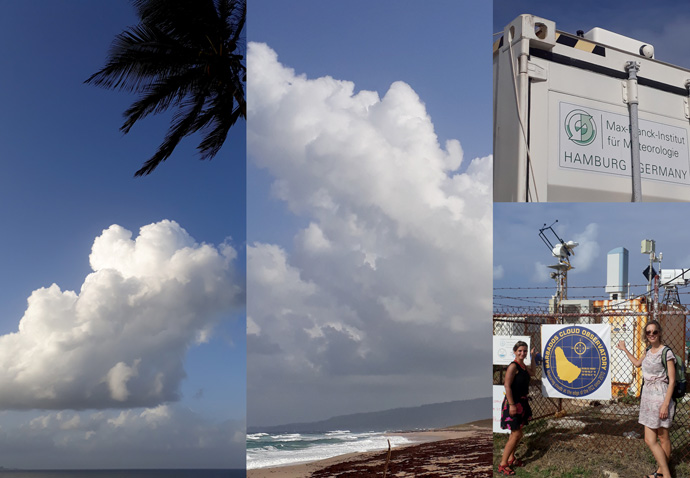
[607,425]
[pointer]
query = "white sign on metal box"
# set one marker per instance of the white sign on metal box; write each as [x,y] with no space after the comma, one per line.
[598,141]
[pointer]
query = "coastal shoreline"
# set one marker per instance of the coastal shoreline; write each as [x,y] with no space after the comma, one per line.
[428,447]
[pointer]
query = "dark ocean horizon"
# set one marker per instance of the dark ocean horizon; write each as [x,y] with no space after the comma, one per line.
[148,473]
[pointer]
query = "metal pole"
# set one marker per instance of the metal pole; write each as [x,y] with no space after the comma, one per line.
[649,281]
[632,67]
[656,298]
[523,98]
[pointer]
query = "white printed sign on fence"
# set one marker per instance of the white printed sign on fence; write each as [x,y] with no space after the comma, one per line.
[503,348]
[499,392]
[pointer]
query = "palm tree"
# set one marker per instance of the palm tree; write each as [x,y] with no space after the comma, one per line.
[187,54]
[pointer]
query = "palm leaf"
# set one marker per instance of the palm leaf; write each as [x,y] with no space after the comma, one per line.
[160,96]
[183,124]
[184,54]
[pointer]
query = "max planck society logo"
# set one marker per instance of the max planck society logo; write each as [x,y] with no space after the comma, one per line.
[576,361]
[580,127]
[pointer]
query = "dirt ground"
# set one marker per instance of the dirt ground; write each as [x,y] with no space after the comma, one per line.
[460,458]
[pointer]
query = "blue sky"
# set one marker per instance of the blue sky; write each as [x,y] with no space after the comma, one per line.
[355,218]
[662,23]
[520,257]
[66,174]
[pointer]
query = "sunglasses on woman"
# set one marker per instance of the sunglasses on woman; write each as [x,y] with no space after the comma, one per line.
[652,332]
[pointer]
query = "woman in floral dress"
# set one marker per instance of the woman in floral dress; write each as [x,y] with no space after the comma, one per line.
[656,407]
[516,412]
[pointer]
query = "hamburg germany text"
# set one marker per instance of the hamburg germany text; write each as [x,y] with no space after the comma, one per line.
[599,141]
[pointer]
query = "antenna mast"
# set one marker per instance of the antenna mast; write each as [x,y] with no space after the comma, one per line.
[562,251]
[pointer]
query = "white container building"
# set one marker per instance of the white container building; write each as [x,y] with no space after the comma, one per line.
[563,107]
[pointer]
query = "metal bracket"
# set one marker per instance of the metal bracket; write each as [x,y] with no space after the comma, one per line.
[687,108]
[624,84]
[536,72]
[626,95]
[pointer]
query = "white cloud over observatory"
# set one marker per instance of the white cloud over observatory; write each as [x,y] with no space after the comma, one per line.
[388,288]
[120,342]
[588,250]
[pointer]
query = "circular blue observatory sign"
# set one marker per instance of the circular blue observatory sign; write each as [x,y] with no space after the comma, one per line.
[576,361]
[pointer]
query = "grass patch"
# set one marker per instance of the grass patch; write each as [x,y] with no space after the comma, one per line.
[554,453]
[554,472]
[627,399]
[683,469]
[594,441]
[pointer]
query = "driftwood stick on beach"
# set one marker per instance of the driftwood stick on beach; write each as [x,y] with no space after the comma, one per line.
[388,459]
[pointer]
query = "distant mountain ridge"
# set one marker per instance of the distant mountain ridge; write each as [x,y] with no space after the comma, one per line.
[436,415]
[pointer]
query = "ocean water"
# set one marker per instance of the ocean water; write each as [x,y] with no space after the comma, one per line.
[265,450]
[122,473]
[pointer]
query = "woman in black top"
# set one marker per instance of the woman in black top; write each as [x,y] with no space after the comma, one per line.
[516,412]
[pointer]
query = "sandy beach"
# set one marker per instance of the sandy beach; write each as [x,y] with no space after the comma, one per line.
[464,451]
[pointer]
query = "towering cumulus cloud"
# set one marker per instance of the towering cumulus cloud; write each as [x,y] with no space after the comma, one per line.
[387,288]
[120,342]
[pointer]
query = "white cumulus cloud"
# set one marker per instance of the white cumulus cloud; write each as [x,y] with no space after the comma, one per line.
[389,285]
[541,273]
[134,438]
[588,250]
[121,340]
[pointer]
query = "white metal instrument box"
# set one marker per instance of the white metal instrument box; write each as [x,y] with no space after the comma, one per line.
[562,122]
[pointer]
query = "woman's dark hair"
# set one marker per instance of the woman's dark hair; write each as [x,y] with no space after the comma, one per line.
[658,327]
[519,344]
